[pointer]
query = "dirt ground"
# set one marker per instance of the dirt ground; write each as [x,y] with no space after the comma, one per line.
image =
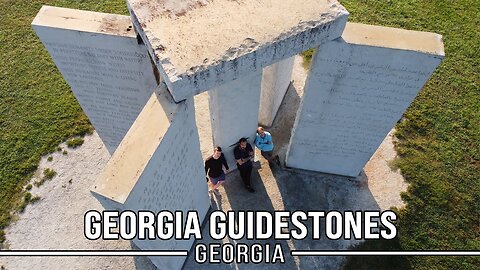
[56,221]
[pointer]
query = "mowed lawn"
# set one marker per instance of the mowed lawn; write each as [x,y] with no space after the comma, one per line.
[439,146]
[37,108]
[440,139]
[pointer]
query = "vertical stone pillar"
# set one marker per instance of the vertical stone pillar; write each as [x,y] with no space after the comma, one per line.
[275,81]
[357,89]
[157,167]
[110,74]
[234,112]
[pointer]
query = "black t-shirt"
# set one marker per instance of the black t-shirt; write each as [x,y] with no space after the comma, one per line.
[239,153]
[214,166]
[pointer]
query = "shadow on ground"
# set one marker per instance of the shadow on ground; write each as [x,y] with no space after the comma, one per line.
[282,189]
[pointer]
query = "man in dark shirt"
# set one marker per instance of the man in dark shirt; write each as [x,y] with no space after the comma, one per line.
[243,153]
[215,167]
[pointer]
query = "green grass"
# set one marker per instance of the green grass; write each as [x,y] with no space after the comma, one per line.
[440,139]
[307,57]
[37,108]
[48,174]
[28,198]
[75,142]
[28,187]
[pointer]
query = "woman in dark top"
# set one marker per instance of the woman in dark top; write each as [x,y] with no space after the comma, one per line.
[215,167]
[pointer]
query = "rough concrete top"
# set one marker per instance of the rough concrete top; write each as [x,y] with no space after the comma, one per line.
[188,36]
[136,149]
[387,37]
[84,21]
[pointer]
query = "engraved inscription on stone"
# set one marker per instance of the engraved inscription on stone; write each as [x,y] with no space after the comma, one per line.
[173,180]
[111,77]
[354,96]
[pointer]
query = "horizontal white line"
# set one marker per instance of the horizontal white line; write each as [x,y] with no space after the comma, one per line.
[55,253]
[383,253]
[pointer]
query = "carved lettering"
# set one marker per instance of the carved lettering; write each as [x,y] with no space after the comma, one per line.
[111,83]
[354,96]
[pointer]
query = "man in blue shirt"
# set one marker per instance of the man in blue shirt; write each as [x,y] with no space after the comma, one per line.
[264,142]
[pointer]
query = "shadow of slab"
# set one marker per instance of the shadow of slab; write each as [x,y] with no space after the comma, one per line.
[279,189]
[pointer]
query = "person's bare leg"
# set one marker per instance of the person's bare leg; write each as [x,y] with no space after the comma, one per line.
[211,185]
[217,185]
[215,188]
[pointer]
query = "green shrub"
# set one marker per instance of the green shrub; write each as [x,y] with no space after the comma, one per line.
[34,199]
[48,174]
[307,58]
[2,238]
[27,199]
[75,142]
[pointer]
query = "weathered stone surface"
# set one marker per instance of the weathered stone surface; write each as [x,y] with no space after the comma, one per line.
[198,44]
[234,113]
[158,166]
[358,88]
[275,81]
[98,54]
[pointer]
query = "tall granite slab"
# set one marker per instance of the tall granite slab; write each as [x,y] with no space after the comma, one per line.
[234,113]
[198,44]
[110,74]
[275,81]
[357,89]
[158,166]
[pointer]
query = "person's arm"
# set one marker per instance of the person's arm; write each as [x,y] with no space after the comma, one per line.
[206,166]
[224,161]
[268,136]
[250,151]
[247,158]
[258,144]
[237,156]
[206,169]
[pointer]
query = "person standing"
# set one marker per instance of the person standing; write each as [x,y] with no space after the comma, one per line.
[264,142]
[216,167]
[243,153]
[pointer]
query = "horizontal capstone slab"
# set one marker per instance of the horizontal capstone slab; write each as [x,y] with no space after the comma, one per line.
[198,45]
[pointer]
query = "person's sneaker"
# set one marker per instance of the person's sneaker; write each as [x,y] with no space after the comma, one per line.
[250,189]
